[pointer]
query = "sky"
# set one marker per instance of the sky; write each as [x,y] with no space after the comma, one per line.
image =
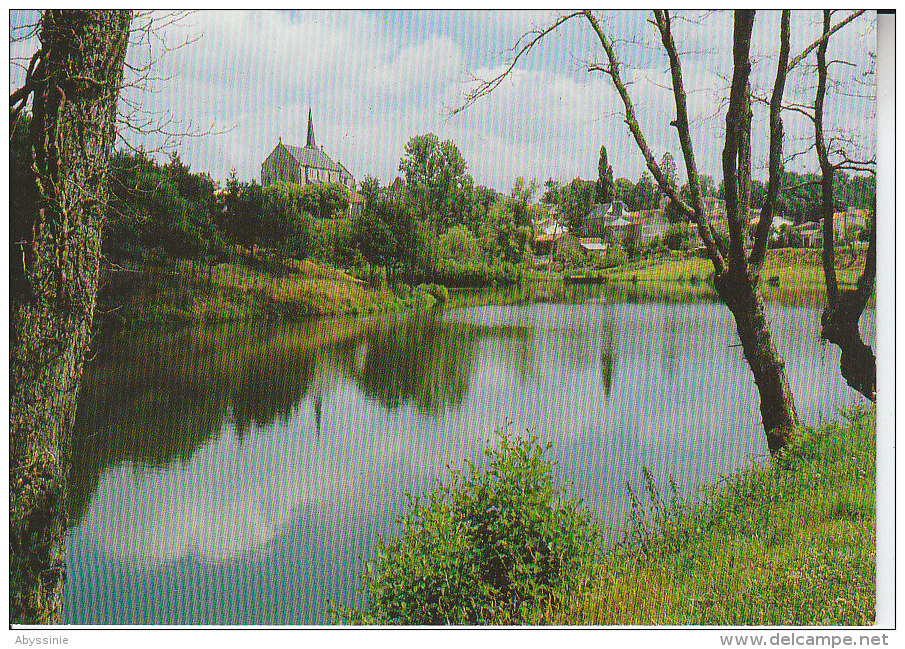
[232,83]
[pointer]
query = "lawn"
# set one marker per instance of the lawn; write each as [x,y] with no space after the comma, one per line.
[789,542]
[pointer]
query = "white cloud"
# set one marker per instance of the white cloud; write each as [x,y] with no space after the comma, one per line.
[375,79]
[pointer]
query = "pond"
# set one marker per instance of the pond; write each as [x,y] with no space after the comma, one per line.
[241,474]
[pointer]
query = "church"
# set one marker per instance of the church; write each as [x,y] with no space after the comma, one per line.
[304,166]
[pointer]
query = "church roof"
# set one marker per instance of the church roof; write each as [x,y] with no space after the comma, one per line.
[310,156]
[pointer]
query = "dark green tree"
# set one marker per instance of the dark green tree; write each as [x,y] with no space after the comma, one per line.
[551,192]
[646,192]
[284,226]
[604,190]
[624,190]
[671,173]
[575,202]
[247,229]
[325,201]
[369,190]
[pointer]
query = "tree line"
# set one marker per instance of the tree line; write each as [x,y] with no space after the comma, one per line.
[799,200]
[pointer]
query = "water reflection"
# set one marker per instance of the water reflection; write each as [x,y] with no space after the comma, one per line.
[238,474]
[153,397]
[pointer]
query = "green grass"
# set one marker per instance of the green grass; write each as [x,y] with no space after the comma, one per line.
[797,274]
[183,293]
[789,542]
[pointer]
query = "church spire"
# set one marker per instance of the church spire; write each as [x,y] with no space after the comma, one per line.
[310,141]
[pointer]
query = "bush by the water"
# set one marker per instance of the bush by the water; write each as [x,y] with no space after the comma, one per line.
[498,545]
[438,291]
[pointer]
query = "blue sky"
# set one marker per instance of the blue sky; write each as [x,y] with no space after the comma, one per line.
[374,79]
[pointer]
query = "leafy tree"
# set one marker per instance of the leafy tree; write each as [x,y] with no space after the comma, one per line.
[646,193]
[624,190]
[459,244]
[670,171]
[374,237]
[248,227]
[677,237]
[435,179]
[161,210]
[389,236]
[283,218]
[604,190]
[551,192]
[479,204]
[671,174]
[575,202]
[509,223]
[324,201]
[799,197]
[370,189]
[231,200]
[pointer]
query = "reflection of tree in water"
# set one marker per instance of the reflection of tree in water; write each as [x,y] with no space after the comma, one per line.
[607,354]
[156,397]
[670,353]
[421,360]
[425,360]
[145,398]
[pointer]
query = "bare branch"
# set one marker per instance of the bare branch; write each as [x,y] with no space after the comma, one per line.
[823,39]
[19,98]
[488,86]
[681,123]
[774,182]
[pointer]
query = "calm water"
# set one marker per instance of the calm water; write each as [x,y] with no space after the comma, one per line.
[240,474]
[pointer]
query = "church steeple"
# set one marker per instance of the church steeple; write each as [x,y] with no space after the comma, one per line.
[310,141]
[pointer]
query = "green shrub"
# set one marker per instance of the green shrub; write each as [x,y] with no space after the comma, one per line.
[438,291]
[490,546]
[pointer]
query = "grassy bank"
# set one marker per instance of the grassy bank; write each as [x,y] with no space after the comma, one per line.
[788,275]
[181,292]
[790,542]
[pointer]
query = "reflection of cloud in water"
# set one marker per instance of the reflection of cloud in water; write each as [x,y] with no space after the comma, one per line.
[235,496]
[613,386]
[225,501]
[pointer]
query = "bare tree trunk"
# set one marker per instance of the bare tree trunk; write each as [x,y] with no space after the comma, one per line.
[75,85]
[777,404]
[737,286]
[736,277]
[839,321]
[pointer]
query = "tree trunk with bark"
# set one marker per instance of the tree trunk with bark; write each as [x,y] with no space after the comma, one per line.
[736,276]
[777,404]
[839,321]
[738,286]
[74,82]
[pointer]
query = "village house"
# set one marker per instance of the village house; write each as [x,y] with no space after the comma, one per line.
[653,226]
[307,165]
[609,223]
[811,234]
[777,223]
[547,229]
